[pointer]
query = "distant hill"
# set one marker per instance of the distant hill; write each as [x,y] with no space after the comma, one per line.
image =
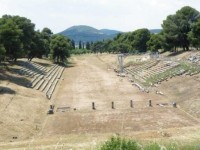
[109,32]
[86,33]
[156,31]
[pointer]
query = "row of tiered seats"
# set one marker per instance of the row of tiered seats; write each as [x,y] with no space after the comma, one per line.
[47,83]
[145,66]
[159,68]
[31,69]
[136,70]
[43,79]
[150,69]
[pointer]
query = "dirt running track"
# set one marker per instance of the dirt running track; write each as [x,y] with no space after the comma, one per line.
[91,79]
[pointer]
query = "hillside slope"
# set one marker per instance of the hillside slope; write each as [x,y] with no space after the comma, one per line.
[87,33]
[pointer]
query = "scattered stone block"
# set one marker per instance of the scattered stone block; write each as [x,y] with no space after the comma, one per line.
[150,104]
[174,104]
[112,105]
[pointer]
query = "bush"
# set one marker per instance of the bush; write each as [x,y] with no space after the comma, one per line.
[152,146]
[118,143]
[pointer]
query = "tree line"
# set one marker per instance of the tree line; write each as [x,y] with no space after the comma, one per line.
[19,39]
[180,30]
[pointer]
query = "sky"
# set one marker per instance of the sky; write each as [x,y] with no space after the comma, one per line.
[122,15]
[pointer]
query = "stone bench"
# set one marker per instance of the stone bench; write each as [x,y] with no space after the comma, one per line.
[51,89]
[39,84]
[37,80]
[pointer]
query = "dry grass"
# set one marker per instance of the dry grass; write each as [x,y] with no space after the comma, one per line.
[91,79]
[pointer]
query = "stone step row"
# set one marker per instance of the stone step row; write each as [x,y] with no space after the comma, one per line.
[143,75]
[51,70]
[48,82]
[145,66]
[157,71]
[35,82]
[31,69]
[51,80]
[40,67]
[51,89]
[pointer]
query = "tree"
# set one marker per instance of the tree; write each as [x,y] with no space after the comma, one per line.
[170,32]
[123,48]
[98,47]
[16,35]
[141,37]
[46,36]
[73,44]
[155,42]
[176,28]
[194,34]
[60,47]
[38,46]
[80,45]
[2,52]
[10,37]
[83,45]
[27,29]
[88,45]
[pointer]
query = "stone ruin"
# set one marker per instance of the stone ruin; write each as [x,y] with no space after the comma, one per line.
[194,58]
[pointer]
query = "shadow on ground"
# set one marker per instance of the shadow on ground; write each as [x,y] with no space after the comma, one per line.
[15,79]
[6,90]
[177,53]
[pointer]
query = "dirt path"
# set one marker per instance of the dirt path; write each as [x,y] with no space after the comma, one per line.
[91,80]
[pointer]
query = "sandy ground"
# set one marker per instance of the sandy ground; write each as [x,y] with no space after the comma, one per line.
[75,125]
[91,79]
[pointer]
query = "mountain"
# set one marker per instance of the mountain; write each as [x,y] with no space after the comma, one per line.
[109,32]
[155,31]
[86,33]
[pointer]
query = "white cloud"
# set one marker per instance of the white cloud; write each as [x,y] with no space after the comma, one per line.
[125,15]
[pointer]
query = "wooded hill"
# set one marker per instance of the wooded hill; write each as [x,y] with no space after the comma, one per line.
[87,34]
[90,34]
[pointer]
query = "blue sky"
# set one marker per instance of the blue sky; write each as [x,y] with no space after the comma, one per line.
[123,15]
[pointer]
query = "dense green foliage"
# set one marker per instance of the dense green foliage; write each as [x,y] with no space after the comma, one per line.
[2,52]
[118,143]
[194,34]
[18,38]
[125,42]
[155,42]
[176,28]
[10,37]
[60,47]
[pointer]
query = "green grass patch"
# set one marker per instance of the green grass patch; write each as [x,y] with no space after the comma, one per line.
[133,63]
[190,69]
[118,143]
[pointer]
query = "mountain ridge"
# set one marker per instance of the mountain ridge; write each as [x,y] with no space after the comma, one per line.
[86,33]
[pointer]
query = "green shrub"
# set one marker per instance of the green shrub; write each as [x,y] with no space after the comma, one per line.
[118,143]
[190,147]
[172,146]
[152,146]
